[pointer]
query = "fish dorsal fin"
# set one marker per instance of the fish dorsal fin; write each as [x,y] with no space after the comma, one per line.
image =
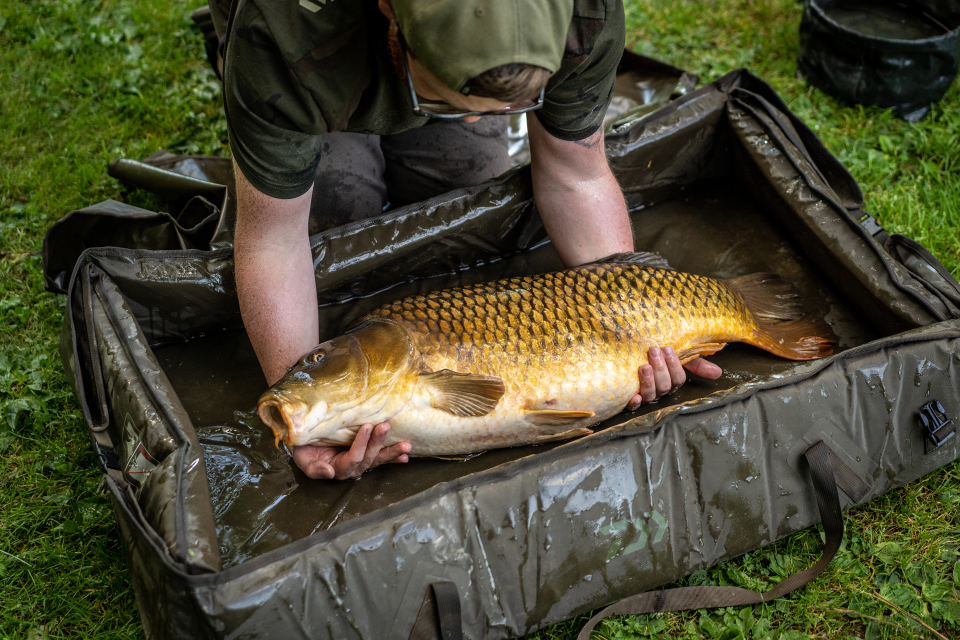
[465,395]
[554,417]
[641,258]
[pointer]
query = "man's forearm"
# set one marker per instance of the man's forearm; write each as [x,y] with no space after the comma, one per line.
[578,197]
[275,281]
[584,212]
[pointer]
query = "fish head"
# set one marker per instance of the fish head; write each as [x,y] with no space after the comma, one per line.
[339,382]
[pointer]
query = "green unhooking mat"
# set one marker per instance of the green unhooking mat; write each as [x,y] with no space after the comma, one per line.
[227,539]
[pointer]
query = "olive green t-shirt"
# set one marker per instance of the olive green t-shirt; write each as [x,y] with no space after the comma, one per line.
[293,72]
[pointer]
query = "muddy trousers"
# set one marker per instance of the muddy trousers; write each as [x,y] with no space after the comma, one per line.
[360,175]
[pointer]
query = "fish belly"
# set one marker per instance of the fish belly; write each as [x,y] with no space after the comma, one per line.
[432,432]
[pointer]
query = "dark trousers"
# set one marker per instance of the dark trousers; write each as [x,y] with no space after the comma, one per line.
[360,174]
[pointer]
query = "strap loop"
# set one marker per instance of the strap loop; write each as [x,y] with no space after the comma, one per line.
[447,620]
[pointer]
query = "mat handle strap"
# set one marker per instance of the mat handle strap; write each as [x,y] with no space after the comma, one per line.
[685,598]
[443,598]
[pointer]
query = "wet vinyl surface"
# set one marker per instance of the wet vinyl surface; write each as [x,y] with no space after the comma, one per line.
[636,94]
[262,501]
[893,21]
[639,94]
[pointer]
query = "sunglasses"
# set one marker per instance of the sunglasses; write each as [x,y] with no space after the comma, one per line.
[444,110]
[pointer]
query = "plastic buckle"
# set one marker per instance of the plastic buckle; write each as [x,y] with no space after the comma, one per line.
[870,224]
[107,457]
[934,419]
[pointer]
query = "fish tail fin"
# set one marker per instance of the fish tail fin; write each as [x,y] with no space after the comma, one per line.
[783,329]
[768,297]
[805,338]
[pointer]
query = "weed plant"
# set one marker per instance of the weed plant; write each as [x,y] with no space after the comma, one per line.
[85,81]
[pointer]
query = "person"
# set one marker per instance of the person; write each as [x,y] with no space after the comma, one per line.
[337,108]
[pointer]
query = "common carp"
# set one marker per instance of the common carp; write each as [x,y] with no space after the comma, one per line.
[526,360]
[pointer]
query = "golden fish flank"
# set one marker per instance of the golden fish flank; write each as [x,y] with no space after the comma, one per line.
[526,360]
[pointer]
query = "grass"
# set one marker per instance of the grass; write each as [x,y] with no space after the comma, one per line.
[85,81]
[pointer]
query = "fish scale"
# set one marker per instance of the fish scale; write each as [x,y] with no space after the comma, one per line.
[526,359]
[603,304]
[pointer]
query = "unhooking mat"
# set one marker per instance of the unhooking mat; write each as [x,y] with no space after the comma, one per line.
[226,539]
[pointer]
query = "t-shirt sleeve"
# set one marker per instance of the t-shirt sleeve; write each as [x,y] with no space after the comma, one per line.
[263,99]
[577,96]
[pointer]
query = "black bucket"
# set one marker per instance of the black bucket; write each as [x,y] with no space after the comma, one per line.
[902,55]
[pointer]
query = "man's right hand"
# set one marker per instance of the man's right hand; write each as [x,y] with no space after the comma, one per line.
[339,463]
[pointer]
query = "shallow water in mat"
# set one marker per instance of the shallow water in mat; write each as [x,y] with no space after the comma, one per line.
[880,20]
[262,501]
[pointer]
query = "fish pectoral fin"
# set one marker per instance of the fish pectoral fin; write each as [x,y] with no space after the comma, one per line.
[554,418]
[465,395]
[563,435]
[697,350]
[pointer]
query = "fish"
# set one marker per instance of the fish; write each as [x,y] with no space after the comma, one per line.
[526,360]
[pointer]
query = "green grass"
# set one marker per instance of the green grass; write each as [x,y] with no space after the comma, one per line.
[83,82]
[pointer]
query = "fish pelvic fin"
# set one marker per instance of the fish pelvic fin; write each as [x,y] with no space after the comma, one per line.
[464,395]
[548,418]
[782,328]
[694,351]
[563,435]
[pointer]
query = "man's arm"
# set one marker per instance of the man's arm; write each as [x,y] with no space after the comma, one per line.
[278,302]
[579,199]
[275,282]
[586,217]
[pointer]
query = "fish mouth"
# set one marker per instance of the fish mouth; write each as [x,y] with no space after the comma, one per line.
[284,416]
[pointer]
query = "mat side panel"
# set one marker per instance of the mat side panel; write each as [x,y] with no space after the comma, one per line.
[609,516]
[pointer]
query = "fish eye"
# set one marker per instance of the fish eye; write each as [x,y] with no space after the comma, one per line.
[316,357]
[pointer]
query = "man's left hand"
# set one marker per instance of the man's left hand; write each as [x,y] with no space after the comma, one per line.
[664,374]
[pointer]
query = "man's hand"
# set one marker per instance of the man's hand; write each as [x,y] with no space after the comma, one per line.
[366,452]
[664,375]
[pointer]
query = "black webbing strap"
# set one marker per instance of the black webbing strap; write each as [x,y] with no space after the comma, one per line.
[442,597]
[825,488]
[847,479]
